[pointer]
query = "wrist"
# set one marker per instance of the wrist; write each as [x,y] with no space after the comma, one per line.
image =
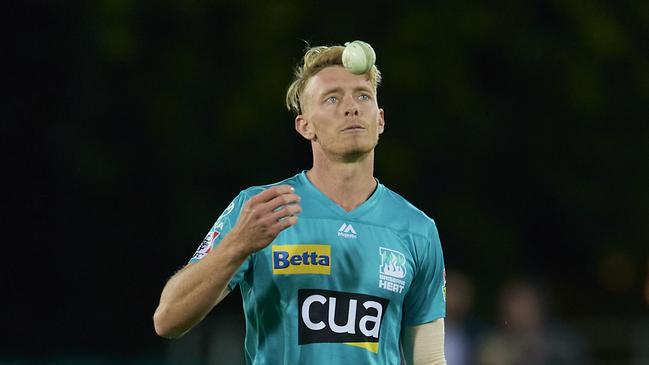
[233,248]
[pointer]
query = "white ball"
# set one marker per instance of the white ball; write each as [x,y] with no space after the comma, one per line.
[358,57]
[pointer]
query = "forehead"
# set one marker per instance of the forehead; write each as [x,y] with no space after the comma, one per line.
[336,77]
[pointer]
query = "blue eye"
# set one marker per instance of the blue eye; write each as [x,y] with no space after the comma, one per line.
[331,99]
[364,97]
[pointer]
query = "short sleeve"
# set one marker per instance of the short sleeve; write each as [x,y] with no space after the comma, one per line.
[220,229]
[426,298]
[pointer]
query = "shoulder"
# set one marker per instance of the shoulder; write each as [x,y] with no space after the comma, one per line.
[402,215]
[254,190]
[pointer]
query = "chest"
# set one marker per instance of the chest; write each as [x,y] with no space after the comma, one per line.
[329,254]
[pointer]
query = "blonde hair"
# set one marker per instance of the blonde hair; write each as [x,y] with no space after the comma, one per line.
[316,59]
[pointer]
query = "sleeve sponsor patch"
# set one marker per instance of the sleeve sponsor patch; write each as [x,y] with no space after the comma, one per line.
[206,246]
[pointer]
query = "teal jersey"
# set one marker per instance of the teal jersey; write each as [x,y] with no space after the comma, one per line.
[338,286]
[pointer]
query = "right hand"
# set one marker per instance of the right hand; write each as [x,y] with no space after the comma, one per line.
[264,216]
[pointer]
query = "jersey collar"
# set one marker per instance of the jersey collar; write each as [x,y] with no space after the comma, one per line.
[357,212]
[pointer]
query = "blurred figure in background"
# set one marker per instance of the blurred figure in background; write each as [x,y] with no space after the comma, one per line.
[640,343]
[646,285]
[526,335]
[462,328]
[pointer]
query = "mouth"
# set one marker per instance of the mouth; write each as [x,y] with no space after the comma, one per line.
[354,128]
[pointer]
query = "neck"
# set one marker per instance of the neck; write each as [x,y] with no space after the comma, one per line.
[348,184]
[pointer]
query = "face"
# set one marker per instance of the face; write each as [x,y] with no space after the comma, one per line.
[340,114]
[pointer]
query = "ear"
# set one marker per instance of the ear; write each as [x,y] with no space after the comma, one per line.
[381,118]
[304,127]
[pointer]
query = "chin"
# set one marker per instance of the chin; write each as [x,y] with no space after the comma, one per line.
[357,153]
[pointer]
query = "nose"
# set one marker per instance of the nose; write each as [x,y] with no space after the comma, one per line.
[351,108]
[351,112]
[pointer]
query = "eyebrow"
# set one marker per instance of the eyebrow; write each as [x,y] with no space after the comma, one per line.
[339,89]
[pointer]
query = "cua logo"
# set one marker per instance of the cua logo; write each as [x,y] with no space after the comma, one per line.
[331,316]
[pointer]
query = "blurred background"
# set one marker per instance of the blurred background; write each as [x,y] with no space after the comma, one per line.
[522,128]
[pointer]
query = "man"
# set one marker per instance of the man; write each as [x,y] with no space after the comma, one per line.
[357,277]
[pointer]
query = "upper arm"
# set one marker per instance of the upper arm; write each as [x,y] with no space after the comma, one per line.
[426,298]
[424,344]
[224,294]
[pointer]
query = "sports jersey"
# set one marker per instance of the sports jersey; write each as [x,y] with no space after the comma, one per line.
[338,286]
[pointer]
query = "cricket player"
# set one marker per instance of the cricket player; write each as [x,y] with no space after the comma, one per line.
[333,266]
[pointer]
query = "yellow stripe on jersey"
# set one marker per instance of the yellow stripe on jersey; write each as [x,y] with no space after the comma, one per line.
[370,346]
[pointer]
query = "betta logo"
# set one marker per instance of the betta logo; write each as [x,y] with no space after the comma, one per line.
[340,317]
[301,259]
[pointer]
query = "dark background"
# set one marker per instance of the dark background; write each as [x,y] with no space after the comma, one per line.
[522,128]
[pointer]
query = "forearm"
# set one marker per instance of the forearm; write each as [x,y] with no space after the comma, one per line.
[424,344]
[192,292]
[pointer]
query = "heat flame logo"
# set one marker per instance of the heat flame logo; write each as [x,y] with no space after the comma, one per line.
[393,263]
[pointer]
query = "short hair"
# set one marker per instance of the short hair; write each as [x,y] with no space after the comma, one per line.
[316,59]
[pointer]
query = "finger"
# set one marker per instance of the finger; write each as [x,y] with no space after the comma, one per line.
[279,201]
[284,223]
[286,211]
[270,193]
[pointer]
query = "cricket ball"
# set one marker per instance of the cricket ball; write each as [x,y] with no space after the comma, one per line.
[358,57]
